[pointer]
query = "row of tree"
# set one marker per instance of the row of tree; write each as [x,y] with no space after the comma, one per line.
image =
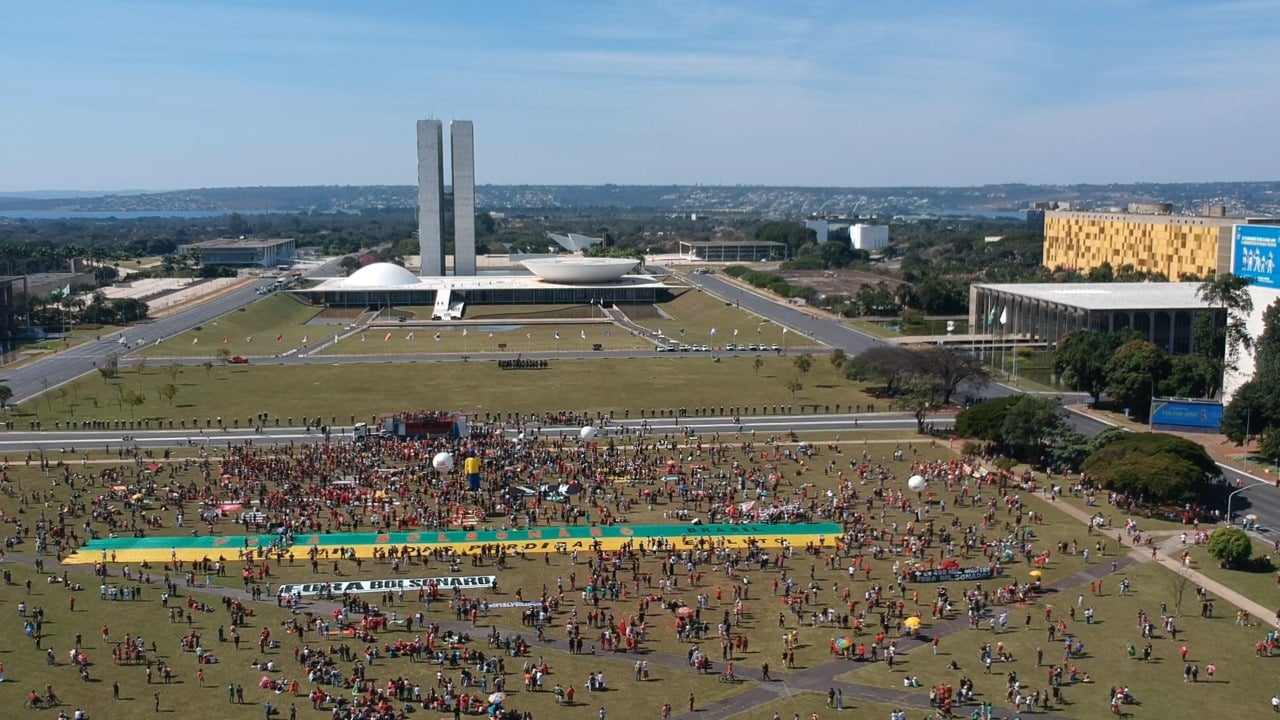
[1147,467]
[918,379]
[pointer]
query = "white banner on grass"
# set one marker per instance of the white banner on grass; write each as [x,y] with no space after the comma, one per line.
[337,587]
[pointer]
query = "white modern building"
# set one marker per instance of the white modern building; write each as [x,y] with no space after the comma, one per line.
[574,242]
[1255,255]
[550,281]
[868,237]
[431,198]
[243,252]
[821,230]
[1044,312]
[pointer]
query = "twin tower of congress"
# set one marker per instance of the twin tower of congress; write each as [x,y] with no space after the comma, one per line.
[431,197]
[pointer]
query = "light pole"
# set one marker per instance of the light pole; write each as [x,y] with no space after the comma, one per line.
[1234,493]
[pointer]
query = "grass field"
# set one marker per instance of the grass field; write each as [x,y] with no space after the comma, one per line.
[509,337]
[240,391]
[251,332]
[696,313]
[1242,682]
[1260,586]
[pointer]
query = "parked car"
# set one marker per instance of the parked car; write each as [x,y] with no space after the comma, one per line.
[239,360]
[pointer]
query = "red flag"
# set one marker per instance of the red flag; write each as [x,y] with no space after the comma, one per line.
[280,337]
[387,338]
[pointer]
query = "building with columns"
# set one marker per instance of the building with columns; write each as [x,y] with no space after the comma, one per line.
[1044,312]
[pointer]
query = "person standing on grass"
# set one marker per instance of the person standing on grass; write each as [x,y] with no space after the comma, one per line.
[157,697]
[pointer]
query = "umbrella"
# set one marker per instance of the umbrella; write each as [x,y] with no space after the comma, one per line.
[153,467]
[844,642]
[495,698]
[1036,574]
[912,622]
[685,611]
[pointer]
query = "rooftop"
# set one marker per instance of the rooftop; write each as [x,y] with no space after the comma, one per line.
[1108,296]
[242,242]
[463,283]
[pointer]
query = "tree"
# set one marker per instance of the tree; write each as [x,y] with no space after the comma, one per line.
[1080,358]
[1134,373]
[951,368]
[794,386]
[757,364]
[223,355]
[1231,293]
[803,363]
[1255,406]
[885,363]
[1179,583]
[168,391]
[1229,546]
[6,394]
[838,358]
[208,368]
[134,400]
[985,420]
[919,396]
[1030,426]
[1153,466]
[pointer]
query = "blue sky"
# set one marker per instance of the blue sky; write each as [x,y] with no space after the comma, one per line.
[114,94]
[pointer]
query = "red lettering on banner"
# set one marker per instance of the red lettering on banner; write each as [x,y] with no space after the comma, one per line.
[535,534]
[221,541]
[626,531]
[442,538]
[596,532]
[415,537]
[564,533]
[313,540]
[382,539]
[472,537]
[501,535]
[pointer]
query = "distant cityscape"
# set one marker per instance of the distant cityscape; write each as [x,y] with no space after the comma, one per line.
[1238,198]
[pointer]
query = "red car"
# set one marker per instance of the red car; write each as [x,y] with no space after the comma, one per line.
[239,360]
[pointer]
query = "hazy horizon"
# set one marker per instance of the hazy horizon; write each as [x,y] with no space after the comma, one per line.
[183,95]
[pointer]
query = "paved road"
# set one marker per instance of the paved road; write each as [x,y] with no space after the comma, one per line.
[69,442]
[67,365]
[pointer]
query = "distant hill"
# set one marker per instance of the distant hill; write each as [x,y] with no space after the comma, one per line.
[1241,198]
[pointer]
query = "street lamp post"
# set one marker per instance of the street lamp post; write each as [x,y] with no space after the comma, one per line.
[1234,493]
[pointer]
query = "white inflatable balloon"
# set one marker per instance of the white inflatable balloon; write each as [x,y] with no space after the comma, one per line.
[587,433]
[917,483]
[442,461]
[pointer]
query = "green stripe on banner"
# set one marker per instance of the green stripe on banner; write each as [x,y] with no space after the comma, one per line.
[456,537]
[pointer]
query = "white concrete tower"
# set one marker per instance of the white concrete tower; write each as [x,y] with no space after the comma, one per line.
[431,197]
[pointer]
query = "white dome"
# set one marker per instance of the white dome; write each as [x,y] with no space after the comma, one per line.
[380,275]
[580,269]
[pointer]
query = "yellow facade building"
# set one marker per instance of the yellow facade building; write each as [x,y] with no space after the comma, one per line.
[1176,245]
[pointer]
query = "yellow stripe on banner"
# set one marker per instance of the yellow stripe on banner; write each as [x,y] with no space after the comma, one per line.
[365,551]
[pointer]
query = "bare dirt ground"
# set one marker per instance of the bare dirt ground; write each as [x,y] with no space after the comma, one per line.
[840,282]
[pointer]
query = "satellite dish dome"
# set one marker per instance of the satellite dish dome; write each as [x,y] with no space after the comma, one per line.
[917,483]
[442,461]
[587,433]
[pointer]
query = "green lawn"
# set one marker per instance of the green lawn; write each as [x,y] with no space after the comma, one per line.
[510,337]
[696,313]
[1243,680]
[240,391]
[1261,587]
[250,332]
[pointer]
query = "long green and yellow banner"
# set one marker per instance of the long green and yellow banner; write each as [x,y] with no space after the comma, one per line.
[532,540]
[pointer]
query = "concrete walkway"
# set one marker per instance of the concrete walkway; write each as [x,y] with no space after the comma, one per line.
[1167,547]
